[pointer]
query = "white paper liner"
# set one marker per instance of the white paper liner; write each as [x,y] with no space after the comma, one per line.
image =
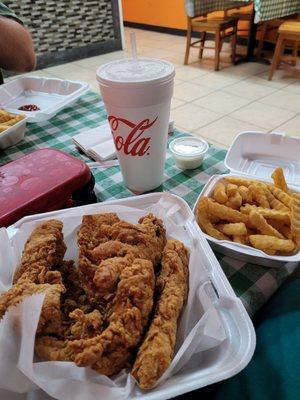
[200,327]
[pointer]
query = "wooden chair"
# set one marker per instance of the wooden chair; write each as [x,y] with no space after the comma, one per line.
[221,27]
[288,31]
[272,25]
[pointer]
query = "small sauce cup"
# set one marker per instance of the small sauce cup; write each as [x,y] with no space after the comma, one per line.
[188,152]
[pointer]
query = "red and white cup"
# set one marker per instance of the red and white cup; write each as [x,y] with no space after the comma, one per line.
[137,96]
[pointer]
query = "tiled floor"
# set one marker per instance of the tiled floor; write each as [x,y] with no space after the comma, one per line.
[214,105]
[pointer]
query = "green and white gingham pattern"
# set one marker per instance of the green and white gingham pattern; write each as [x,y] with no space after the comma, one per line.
[264,9]
[196,8]
[252,283]
[270,9]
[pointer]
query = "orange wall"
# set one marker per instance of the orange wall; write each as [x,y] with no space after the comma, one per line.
[168,13]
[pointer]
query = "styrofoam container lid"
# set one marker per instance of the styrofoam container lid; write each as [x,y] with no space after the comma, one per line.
[50,95]
[128,71]
[258,154]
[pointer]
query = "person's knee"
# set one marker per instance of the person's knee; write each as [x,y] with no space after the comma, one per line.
[29,62]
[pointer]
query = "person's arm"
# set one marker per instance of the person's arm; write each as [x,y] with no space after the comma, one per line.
[16,47]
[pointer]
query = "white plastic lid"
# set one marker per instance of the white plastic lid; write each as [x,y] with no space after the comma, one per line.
[140,71]
[188,146]
[258,154]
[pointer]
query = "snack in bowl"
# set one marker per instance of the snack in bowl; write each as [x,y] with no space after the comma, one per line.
[100,315]
[258,214]
[7,120]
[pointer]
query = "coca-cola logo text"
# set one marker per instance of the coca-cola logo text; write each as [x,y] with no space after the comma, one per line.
[135,144]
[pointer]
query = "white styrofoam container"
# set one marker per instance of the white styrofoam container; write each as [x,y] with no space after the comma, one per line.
[49,94]
[210,366]
[13,134]
[255,155]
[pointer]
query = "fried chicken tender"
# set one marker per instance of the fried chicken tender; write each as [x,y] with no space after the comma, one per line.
[43,251]
[107,275]
[86,325]
[110,351]
[148,238]
[95,230]
[157,349]
[50,318]
[99,272]
[53,349]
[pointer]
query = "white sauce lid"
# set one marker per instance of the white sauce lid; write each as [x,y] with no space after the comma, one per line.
[188,146]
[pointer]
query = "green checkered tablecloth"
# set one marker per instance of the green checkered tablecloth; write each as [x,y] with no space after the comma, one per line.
[270,9]
[264,9]
[252,283]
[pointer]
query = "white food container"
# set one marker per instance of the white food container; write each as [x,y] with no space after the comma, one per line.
[209,366]
[188,152]
[255,155]
[13,134]
[50,94]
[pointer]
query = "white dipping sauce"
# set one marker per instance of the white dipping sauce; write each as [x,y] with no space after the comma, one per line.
[188,152]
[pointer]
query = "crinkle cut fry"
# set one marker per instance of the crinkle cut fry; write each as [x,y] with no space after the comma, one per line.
[43,250]
[110,351]
[281,196]
[204,221]
[279,179]
[271,244]
[295,218]
[225,213]
[157,349]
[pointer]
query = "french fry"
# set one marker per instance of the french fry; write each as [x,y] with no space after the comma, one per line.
[270,244]
[3,127]
[205,223]
[286,232]
[282,228]
[220,193]
[279,179]
[14,120]
[240,181]
[259,222]
[245,193]
[233,229]
[5,116]
[267,213]
[277,224]
[258,195]
[295,218]
[231,189]
[235,201]
[224,212]
[255,213]
[240,239]
[275,203]
[281,196]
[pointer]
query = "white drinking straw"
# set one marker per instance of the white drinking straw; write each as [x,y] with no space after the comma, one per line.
[133,45]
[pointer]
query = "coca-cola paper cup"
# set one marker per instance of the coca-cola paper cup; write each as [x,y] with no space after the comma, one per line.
[137,96]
